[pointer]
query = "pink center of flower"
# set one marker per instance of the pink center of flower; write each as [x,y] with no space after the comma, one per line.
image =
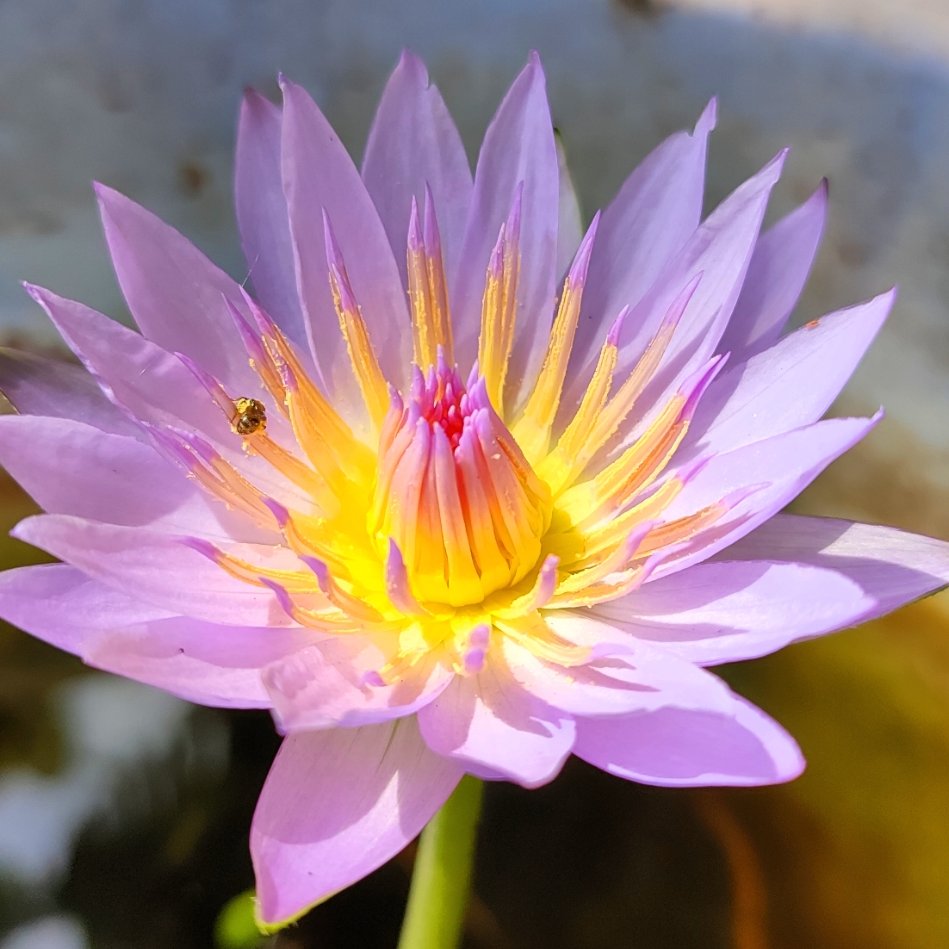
[454,491]
[442,400]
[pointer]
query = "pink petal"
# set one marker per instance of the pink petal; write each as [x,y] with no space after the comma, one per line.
[413,142]
[326,686]
[138,375]
[518,148]
[71,468]
[624,677]
[336,805]
[65,607]
[776,276]
[36,385]
[728,611]
[174,292]
[777,468]
[714,259]
[319,176]
[891,566]
[262,215]
[789,385]
[740,746]
[718,253]
[157,567]
[488,721]
[656,210]
[201,662]
[154,386]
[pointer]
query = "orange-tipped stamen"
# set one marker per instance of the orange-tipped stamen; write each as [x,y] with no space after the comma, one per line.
[532,430]
[499,305]
[428,295]
[362,356]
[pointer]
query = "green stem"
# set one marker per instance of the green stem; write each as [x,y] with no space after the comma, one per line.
[442,877]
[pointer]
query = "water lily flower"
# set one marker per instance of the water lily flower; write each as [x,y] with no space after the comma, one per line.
[460,487]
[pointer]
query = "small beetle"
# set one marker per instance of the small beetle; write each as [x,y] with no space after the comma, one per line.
[250,416]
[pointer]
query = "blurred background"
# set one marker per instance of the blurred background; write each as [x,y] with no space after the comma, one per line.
[124,812]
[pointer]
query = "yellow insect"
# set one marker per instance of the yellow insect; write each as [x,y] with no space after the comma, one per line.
[250,416]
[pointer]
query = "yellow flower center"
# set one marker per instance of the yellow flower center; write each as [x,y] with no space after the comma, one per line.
[453,525]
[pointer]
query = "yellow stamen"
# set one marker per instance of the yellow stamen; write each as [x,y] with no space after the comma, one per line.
[362,356]
[535,635]
[499,307]
[532,431]
[296,472]
[634,470]
[428,295]
[568,467]
[594,543]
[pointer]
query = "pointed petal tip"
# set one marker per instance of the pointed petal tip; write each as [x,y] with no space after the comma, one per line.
[201,546]
[696,384]
[694,468]
[395,554]
[37,293]
[581,262]
[693,284]
[334,256]
[283,598]
[250,96]
[329,239]
[876,308]
[779,159]
[533,72]
[612,337]
[254,104]
[189,364]
[586,244]
[414,66]
[319,569]
[708,118]
[816,203]
[113,203]
[280,513]
[430,230]
[762,182]
[415,239]
[23,530]
[289,88]
[106,194]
